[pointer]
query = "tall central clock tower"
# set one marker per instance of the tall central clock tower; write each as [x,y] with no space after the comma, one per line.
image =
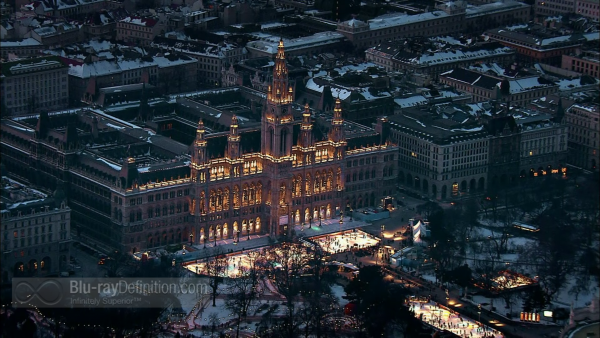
[277,139]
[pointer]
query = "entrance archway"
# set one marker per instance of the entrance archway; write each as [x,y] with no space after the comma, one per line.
[444,191]
[425,187]
[472,185]
[45,264]
[19,270]
[481,184]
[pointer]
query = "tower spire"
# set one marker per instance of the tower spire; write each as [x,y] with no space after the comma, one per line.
[199,145]
[233,139]
[280,92]
[337,124]
[306,128]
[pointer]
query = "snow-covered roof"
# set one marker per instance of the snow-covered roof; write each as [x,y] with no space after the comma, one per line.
[98,68]
[498,6]
[525,84]
[269,43]
[567,84]
[336,92]
[411,101]
[457,55]
[274,25]
[98,45]
[344,93]
[146,22]
[21,43]
[400,19]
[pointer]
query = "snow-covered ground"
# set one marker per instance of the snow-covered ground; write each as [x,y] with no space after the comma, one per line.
[338,293]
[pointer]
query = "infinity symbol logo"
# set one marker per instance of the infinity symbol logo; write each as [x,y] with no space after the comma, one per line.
[49,292]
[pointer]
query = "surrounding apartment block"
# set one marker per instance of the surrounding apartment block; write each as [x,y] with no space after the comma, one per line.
[57,34]
[212,58]
[543,144]
[584,141]
[27,47]
[541,49]
[439,157]
[485,88]
[554,7]
[448,18]
[139,31]
[170,73]
[586,8]
[586,62]
[393,57]
[32,84]
[36,235]
[322,42]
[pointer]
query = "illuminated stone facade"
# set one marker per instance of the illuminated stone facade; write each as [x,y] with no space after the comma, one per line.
[133,189]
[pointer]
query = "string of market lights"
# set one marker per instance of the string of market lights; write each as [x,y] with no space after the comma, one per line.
[6,307]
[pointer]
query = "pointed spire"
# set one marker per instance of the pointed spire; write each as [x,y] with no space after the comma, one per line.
[233,130]
[337,111]
[42,125]
[280,92]
[200,131]
[306,115]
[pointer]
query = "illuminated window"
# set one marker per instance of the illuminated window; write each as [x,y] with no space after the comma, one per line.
[454,189]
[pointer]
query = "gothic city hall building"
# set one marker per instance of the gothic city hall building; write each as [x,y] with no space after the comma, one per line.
[132,188]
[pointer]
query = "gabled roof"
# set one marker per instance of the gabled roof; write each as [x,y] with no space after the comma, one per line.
[472,78]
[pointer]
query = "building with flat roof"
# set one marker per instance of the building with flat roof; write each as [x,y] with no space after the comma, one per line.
[583,62]
[485,87]
[27,47]
[584,140]
[31,84]
[448,18]
[396,57]
[540,47]
[36,234]
[444,154]
[317,43]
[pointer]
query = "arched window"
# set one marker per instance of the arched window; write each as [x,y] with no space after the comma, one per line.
[283,148]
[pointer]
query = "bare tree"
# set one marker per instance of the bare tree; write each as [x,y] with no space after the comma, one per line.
[288,261]
[242,291]
[554,252]
[216,270]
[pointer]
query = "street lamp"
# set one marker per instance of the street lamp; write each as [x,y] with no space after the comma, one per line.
[479,312]
[204,241]
[351,213]
[382,229]
[191,239]
[215,238]
[341,221]
[310,222]
[248,231]
[320,218]
[447,297]
[238,235]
